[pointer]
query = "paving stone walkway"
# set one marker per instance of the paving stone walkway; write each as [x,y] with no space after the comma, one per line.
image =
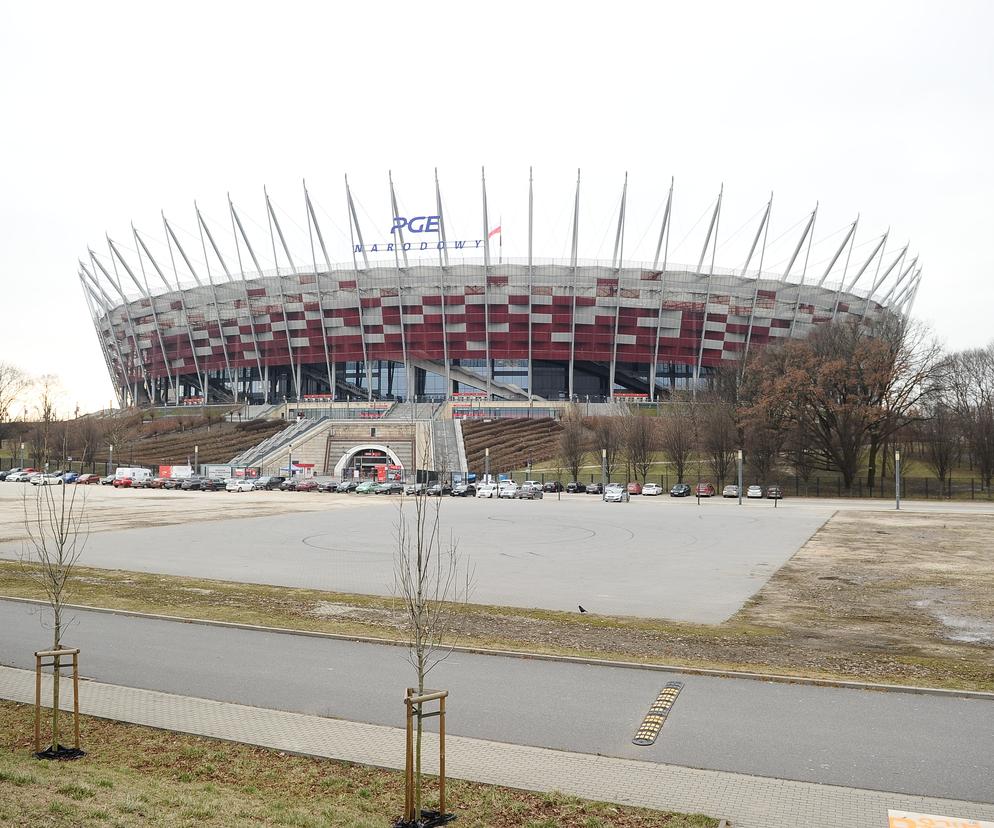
[745,801]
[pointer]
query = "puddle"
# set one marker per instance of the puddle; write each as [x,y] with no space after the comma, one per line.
[945,607]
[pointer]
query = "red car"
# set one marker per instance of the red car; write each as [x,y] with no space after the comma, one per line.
[307,486]
[122,483]
[83,479]
[705,490]
[635,488]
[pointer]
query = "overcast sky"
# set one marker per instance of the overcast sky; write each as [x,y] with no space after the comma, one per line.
[112,113]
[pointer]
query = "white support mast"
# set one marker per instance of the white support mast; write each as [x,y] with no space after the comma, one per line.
[398,252]
[531,280]
[664,245]
[869,259]
[172,239]
[104,301]
[294,368]
[881,277]
[616,259]
[92,302]
[204,229]
[804,272]
[900,279]
[764,228]
[443,262]
[355,231]
[573,269]
[486,279]
[715,220]
[312,228]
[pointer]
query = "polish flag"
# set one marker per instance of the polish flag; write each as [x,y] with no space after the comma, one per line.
[494,232]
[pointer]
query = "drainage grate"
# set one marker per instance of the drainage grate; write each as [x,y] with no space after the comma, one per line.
[658,711]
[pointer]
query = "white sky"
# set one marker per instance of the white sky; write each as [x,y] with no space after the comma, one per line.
[112,112]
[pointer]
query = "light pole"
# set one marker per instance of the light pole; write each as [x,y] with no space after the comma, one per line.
[486,465]
[897,479]
[110,460]
[603,470]
[196,459]
[22,455]
[289,461]
[740,476]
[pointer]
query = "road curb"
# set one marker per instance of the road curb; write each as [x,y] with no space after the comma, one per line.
[525,655]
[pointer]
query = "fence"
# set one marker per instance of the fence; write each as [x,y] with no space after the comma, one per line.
[912,488]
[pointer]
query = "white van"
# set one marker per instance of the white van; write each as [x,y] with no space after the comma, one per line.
[134,474]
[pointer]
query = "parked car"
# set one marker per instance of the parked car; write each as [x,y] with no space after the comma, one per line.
[464,490]
[47,480]
[366,487]
[529,491]
[239,484]
[731,490]
[553,486]
[754,491]
[616,493]
[635,488]
[107,481]
[87,479]
[705,490]
[327,485]
[774,493]
[575,487]
[122,482]
[289,485]
[652,490]
[439,490]
[411,489]
[488,490]
[307,485]
[3,474]
[173,483]
[680,490]
[390,487]
[21,476]
[268,482]
[347,486]
[212,484]
[594,488]
[155,482]
[70,477]
[507,489]
[191,484]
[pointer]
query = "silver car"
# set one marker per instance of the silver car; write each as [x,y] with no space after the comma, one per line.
[616,493]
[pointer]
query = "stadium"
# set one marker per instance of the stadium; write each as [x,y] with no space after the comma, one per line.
[187,321]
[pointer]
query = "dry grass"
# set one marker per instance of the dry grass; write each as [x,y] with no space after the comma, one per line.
[136,776]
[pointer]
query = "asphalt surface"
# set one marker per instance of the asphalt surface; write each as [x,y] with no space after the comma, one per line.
[653,557]
[898,742]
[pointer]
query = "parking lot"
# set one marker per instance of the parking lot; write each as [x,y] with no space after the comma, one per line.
[651,557]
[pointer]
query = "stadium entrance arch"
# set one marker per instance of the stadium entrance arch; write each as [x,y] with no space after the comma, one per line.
[366,459]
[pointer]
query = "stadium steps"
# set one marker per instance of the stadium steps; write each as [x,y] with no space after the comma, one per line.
[445,449]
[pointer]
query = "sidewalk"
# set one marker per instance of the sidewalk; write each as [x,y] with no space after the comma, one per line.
[746,801]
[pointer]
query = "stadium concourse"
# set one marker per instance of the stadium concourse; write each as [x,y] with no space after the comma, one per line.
[422,314]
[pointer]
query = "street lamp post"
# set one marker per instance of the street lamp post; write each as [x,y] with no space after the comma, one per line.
[897,479]
[110,460]
[740,476]
[22,455]
[603,470]
[486,465]
[196,459]
[289,461]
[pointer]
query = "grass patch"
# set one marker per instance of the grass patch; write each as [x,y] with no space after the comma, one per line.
[136,776]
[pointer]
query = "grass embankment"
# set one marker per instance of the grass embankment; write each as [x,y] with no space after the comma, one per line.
[137,776]
[858,602]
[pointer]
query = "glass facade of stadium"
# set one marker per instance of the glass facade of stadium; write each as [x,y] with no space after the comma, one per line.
[546,330]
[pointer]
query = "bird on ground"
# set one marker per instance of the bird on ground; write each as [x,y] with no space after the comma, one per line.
[580,608]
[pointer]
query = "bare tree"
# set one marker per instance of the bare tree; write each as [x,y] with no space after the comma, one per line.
[641,437]
[572,443]
[719,438]
[677,439]
[13,383]
[427,580]
[608,440]
[971,392]
[54,520]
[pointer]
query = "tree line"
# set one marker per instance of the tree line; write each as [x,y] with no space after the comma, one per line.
[841,400]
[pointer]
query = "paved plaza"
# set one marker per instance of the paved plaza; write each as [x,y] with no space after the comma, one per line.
[652,557]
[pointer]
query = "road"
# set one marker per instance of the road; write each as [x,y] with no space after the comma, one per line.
[898,742]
